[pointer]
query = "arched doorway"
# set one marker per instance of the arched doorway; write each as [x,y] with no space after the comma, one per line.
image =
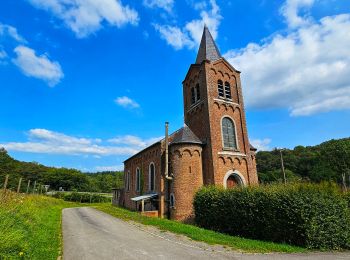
[233,179]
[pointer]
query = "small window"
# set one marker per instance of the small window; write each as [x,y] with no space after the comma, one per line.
[172,200]
[220,89]
[152,177]
[193,96]
[138,179]
[227,90]
[229,133]
[198,93]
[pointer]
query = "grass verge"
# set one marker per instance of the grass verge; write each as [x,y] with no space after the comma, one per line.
[200,234]
[30,226]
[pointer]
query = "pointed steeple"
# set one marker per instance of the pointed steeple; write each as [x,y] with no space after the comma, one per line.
[207,49]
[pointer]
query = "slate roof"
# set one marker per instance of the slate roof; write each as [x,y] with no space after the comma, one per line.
[207,49]
[185,136]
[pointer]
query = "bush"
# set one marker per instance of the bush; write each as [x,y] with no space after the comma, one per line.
[85,197]
[309,215]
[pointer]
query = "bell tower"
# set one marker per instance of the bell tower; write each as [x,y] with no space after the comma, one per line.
[214,111]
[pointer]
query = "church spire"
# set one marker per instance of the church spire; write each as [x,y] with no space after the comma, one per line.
[207,49]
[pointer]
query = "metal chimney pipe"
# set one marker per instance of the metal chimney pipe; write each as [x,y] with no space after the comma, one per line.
[166,173]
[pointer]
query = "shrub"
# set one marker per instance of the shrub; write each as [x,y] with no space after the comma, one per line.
[85,197]
[309,215]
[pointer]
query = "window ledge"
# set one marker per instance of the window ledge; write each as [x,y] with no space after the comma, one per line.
[232,153]
[225,100]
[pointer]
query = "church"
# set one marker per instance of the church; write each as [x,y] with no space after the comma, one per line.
[211,149]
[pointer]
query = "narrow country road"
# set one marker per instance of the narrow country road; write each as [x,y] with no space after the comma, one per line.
[91,234]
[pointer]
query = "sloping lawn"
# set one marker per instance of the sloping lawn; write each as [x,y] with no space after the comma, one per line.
[200,234]
[30,226]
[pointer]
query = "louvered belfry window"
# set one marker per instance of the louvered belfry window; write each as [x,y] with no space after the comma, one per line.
[221,89]
[198,93]
[229,133]
[227,90]
[193,96]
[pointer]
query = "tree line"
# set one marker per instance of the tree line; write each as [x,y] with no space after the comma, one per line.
[328,161]
[68,179]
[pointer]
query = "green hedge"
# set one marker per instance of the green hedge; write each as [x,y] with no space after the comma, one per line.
[82,197]
[309,215]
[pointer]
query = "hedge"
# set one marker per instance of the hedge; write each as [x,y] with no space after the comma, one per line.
[82,197]
[308,215]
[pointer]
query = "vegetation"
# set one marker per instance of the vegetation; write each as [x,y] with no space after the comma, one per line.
[329,161]
[82,197]
[30,226]
[309,215]
[68,179]
[199,234]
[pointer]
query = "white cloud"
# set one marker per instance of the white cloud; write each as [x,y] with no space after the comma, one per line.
[290,10]
[167,5]
[26,60]
[190,35]
[85,17]
[37,66]
[10,31]
[174,36]
[305,70]
[112,168]
[261,144]
[50,142]
[3,54]
[126,102]
[134,140]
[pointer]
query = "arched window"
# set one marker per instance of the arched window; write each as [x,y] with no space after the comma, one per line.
[127,181]
[227,90]
[198,93]
[193,96]
[229,133]
[172,200]
[152,177]
[221,89]
[138,179]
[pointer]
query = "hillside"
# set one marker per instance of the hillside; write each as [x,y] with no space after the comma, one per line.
[324,162]
[69,179]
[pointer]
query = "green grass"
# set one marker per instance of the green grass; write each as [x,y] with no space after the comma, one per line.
[200,234]
[30,226]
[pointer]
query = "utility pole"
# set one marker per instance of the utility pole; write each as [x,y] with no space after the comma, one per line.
[282,167]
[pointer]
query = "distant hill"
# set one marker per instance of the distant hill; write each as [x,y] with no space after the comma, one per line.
[69,179]
[324,162]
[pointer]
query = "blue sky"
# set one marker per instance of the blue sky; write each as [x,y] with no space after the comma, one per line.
[85,84]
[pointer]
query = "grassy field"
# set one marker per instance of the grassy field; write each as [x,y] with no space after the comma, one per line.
[200,234]
[30,226]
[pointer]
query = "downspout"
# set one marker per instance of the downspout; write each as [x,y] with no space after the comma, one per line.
[166,171]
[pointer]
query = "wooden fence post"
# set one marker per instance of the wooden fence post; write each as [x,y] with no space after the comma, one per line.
[6,181]
[28,186]
[19,185]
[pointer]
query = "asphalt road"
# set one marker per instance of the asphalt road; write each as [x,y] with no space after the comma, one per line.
[91,234]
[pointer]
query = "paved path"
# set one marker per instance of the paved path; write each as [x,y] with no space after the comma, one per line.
[91,234]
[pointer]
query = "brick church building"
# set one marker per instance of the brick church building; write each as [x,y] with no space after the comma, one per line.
[211,149]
